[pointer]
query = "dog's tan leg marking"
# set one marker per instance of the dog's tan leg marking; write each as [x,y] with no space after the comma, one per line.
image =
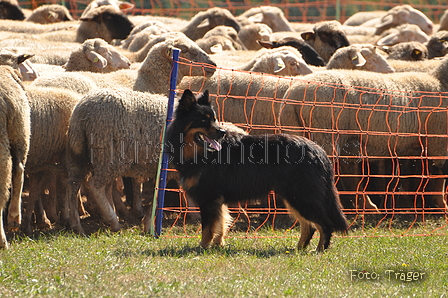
[220,229]
[306,228]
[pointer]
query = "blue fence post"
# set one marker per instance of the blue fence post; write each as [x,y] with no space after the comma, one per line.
[159,192]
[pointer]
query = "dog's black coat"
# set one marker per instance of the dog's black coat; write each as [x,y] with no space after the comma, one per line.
[218,167]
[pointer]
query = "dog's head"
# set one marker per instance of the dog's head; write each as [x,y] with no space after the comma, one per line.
[199,122]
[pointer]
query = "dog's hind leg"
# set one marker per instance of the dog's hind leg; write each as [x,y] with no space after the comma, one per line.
[325,236]
[306,228]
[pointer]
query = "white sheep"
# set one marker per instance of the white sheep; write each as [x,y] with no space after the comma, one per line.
[112,133]
[142,34]
[249,35]
[383,114]
[360,57]
[250,100]
[269,15]
[15,134]
[51,109]
[122,5]
[361,17]
[153,75]
[402,33]
[49,13]
[96,55]
[204,21]
[403,14]
[408,51]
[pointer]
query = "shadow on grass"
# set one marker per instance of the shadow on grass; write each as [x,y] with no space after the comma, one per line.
[189,251]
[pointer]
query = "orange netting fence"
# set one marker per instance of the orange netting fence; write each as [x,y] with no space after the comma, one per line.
[380,140]
[295,11]
[388,146]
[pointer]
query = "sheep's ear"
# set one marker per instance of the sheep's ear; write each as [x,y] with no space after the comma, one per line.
[203,99]
[186,102]
[96,59]
[125,5]
[279,65]
[416,54]
[357,58]
[23,57]
[205,23]
[267,44]
[256,18]
[308,35]
[217,48]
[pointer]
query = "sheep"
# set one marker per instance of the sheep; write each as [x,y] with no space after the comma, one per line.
[51,109]
[438,44]
[19,61]
[370,119]
[106,22]
[153,75]
[408,51]
[269,15]
[309,54]
[221,38]
[249,35]
[326,37]
[404,14]
[360,57]
[403,33]
[96,55]
[443,24]
[49,13]
[363,16]
[216,44]
[414,66]
[283,61]
[112,133]
[203,21]
[122,5]
[11,10]
[142,34]
[15,135]
[247,99]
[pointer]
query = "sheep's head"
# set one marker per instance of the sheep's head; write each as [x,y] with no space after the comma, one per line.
[193,60]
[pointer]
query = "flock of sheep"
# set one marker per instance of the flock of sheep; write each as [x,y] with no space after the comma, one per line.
[84,101]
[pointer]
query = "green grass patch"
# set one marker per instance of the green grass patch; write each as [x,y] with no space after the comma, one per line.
[367,263]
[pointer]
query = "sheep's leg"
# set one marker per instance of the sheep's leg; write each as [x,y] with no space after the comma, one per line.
[137,207]
[103,203]
[3,199]
[35,181]
[50,203]
[69,209]
[120,207]
[14,210]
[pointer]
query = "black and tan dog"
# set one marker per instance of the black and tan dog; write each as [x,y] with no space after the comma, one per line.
[218,167]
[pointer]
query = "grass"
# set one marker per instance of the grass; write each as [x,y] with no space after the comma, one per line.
[129,264]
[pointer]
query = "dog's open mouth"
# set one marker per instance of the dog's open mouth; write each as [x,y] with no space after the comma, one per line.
[210,144]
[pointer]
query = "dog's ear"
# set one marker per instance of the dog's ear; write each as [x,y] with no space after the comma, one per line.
[186,102]
[203,99]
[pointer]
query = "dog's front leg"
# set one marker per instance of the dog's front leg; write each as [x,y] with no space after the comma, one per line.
[212,217]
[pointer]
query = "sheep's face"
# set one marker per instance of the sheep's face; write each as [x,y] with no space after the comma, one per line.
[194,61]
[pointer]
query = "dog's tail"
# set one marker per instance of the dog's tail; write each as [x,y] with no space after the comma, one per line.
[334,209]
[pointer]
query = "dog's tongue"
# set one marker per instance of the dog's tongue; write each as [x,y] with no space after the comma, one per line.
[215,145]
